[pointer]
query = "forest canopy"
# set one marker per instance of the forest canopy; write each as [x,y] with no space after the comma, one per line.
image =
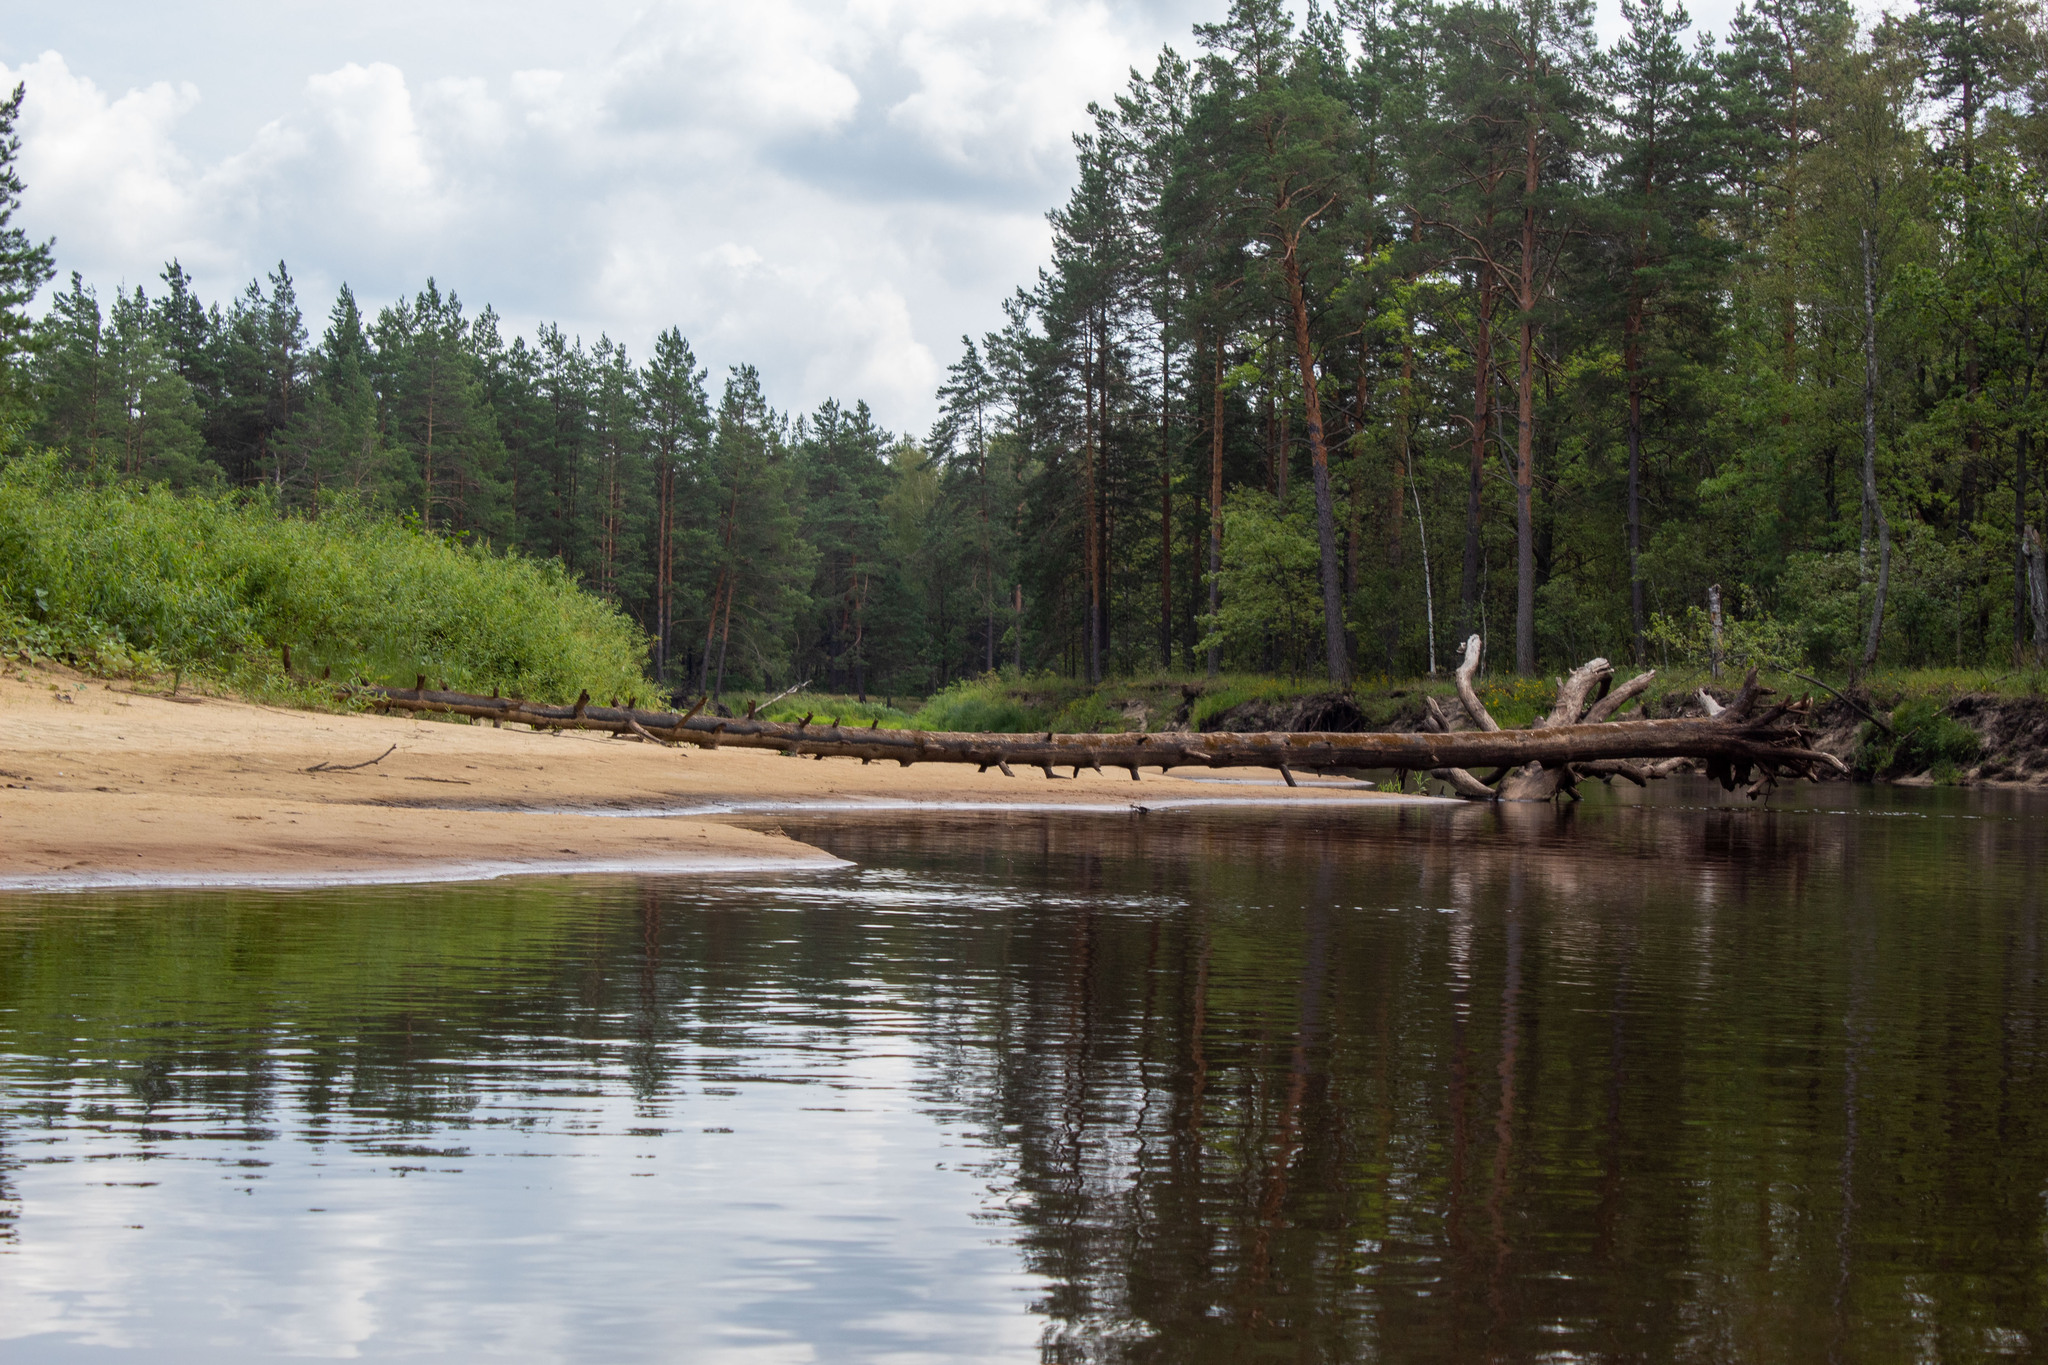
[1359,334]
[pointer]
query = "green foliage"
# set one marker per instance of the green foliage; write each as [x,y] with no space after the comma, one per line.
[127,579]
[1092,714]
[1272,609]
[25,264]
[1922,740]
[824,709]
[1367,174]
[1750,637]
[1515,703]
[981,704]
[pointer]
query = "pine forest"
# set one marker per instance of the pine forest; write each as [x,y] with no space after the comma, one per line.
[1360,332]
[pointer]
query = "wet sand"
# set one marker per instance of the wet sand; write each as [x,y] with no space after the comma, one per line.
[109,784]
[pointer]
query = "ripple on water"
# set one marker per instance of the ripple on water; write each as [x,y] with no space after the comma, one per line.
[1674,1079]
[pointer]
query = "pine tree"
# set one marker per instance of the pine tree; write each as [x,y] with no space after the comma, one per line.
[761,562]
[69,375]
[619,469]
[265,362]
[842,464]
[336,438]
[438,427]
[152,424]
[1292,162]
[25,267]
[1873,189]
[678,429]
[1664,158]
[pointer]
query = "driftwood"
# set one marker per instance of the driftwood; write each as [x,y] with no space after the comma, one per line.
[1742,741]
[1587,700]
[351,767]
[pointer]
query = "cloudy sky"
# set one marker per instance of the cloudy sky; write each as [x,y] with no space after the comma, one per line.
[834,190]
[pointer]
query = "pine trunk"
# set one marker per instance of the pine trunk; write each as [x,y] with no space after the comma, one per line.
[1090,547]
[1326,522]
[1482,411]
[1632,362]
[1165,504]
[1216,503]
[1525,430]
[1874,508]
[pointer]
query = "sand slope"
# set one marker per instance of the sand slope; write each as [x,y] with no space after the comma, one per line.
[108,783]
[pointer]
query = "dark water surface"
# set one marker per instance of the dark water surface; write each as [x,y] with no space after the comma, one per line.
[1673,1081]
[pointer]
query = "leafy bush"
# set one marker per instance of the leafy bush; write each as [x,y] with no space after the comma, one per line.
[1750,636]
[1922,740]
[1832,612]
[130,580]
[1272,605]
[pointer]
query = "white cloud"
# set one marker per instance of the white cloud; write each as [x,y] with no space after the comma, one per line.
[965,106]
[776,69]
[350,165]
[107,170]
[833,190]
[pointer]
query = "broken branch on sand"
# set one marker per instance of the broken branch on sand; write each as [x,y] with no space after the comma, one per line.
[351,767]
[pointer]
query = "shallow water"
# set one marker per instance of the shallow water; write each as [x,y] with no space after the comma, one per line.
[1682,1080]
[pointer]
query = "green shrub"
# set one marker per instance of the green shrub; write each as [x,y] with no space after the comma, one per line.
[1272,606]
[1750,636]
[1831,611]
[979,705]
[1089,715]
[1922,740]
[124,579]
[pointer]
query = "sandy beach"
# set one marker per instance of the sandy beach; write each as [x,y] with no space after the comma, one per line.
[111,784]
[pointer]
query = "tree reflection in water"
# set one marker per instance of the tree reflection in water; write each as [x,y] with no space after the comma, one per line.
[1626,1082]
[1632,1082]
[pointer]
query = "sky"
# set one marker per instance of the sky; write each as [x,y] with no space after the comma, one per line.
[832,190]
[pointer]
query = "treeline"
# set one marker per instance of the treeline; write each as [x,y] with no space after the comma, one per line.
[1357,336]
[1430,318]
[750,547]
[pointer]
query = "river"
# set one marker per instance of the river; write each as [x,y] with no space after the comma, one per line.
[1674,1078]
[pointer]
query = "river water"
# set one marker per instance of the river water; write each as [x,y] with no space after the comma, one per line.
[1677,1079]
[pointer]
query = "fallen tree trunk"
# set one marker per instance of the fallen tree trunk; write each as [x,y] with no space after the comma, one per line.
[1737,742]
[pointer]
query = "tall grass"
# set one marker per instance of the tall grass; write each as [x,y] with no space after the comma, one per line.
[827,708]
[981,705]
[142,580]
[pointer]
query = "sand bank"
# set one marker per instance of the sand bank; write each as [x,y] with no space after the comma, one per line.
[109,784]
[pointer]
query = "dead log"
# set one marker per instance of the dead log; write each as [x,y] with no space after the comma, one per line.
[1469,694]
[1733,745]
[1459,780]
[1540,782]
[1463,783]
[1611,704]
[1574,694]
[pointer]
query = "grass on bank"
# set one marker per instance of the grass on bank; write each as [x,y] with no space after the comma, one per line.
[142,582]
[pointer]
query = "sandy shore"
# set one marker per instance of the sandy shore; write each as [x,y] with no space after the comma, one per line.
[108,784]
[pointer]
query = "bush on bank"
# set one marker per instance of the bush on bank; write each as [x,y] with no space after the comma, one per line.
[140,580]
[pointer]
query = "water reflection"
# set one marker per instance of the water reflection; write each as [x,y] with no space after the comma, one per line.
[1657,1081]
